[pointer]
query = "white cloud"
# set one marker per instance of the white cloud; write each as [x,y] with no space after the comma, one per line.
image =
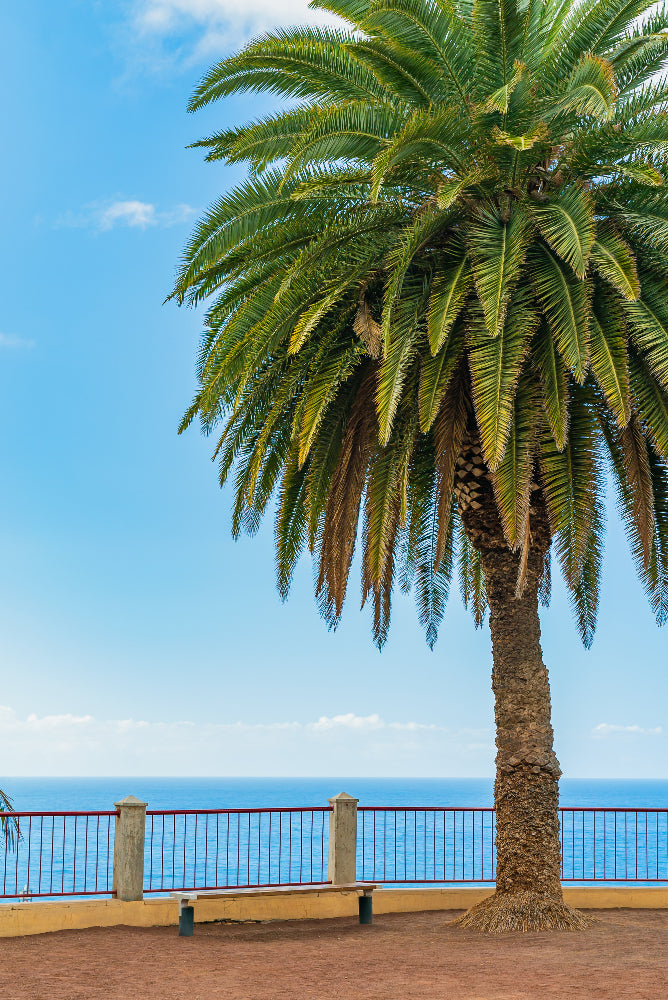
[189,30]
[348,721]
[608,729]
[106,215]
[70,744]
[137,214]
[168,15]
[367,723]
[10,340]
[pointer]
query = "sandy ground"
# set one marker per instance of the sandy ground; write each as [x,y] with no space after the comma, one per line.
[400,957]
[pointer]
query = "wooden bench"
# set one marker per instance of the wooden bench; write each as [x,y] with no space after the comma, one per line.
[187,911]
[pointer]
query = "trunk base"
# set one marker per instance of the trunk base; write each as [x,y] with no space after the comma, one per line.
[522,911]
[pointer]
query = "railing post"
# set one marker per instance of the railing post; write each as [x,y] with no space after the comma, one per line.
[129,849]
[342,861]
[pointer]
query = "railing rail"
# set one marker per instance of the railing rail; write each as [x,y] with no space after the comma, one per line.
[414,845]
[614,845]
[231,848]
[71,853]
[409,844]
[59,853]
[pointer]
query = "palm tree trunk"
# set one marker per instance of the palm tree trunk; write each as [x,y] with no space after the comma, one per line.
[526,791]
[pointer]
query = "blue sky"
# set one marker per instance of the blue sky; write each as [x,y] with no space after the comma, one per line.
[135,636]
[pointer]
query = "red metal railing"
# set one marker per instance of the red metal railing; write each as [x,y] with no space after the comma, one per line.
[614,845]
[435,845]
[71,853]
[221,848]
[56,854]
[419,845]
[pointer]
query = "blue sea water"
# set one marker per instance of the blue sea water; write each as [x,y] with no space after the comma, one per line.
[34,794]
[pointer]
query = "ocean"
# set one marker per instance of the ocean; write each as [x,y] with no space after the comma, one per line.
[43,794]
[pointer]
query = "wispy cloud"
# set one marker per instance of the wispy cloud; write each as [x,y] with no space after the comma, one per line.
[367,722]
[189,30]
[126,212]
[71,743]
[11,341]
[609,729]
[136,214]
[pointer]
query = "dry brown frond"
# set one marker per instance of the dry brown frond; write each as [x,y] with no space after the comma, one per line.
[367,329]
[382,588]
[545,579]
[342,510]
[524,557]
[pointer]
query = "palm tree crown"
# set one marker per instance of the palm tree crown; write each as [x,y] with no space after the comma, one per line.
[448,264]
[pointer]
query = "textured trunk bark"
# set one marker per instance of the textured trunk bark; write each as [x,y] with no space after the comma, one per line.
[526,791]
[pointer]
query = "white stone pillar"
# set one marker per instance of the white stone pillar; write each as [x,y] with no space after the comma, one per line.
[129,849]
[342,862]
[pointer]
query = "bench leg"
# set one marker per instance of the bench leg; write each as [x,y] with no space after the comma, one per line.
[186,921]
[366,909]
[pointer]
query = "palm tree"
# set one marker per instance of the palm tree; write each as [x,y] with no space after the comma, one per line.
[439,301]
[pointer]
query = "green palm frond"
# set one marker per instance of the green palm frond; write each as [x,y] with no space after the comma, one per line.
[565,301]
[497,25]
[291,524]
[497,248]
[632,465]
[302,62]
[656,583]
[434,136]
[409,76]
[608,355]
[646,220]
[614,261]
[648,322]
[448,295]
[594,26]
[449,431]
[635,462]
[448,260]
[471,579]
[512,478]
[400,354]
[10,824]
[590,90]
[570,480]
[568,225]
[650,402]
[433,30]
[586,591]
[496,364]
[435,374]
[554,384]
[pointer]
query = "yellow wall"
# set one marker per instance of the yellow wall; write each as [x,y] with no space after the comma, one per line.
[17,919]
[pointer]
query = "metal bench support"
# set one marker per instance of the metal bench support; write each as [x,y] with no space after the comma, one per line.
[366,908]
[186,921]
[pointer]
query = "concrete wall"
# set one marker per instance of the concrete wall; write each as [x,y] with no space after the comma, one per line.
[17,919]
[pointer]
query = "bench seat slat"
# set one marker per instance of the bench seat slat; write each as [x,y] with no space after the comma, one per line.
[286,890]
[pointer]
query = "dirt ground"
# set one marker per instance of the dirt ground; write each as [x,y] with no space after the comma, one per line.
[400,957]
